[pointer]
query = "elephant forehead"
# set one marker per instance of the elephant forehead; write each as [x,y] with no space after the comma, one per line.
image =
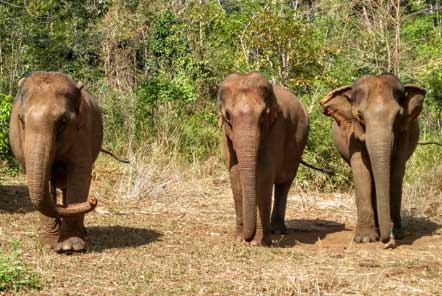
[381,111]
[385,99]
[376,94]
[247,102]
[51,90]
[49,84]
[39,112]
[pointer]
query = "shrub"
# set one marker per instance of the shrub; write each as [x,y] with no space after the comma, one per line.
[5,111]
[14,272]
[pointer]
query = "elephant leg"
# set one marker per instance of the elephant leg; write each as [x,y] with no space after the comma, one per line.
[279,206]
[73,232]
[237,197]
[50,227]
[365,227]
[396,198]
[404,148]
[373,204]
[264,202]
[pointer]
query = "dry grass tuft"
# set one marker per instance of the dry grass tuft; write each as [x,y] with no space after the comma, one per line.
[423,197]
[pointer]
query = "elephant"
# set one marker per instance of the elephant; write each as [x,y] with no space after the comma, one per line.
[56,133]
[264,133]
[376,130]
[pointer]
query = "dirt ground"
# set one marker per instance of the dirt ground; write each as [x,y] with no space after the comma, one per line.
[180,242]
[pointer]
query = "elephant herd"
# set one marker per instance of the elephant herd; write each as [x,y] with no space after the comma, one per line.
[56,133]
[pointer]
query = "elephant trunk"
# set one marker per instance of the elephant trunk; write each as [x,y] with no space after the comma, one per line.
[39,153]
[246,146]
[379,147]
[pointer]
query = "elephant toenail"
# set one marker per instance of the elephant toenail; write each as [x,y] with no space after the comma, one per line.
[78,247]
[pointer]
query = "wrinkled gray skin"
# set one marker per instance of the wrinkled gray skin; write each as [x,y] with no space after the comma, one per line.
[56,133]
[376,131]
[265,131]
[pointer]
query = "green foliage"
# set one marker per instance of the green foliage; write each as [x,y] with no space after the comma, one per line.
[321,152]
[155,65]
[14,272]
[5,111]
[156,92]
[166,44]
[433,80]
[169,106]
[200,135]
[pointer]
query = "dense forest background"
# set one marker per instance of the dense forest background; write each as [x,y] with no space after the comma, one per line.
[154,65]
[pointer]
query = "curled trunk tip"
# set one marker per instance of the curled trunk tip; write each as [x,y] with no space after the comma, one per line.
[78,208]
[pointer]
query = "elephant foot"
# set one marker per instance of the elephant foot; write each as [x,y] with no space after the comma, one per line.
[365,235]
[264,240]
[73,244]
[397,233]
[72,239]
[48,242]
[49,232]
[278,228]
[239,236]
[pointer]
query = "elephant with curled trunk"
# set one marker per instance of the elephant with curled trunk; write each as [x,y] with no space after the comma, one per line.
[56,134]
[264,134]
[376,131]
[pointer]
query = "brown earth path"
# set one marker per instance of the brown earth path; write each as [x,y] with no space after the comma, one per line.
[180,243]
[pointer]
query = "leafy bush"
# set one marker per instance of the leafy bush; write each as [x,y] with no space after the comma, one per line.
[167,111]
[155,65]
[433,81]
[200,135]
[14,272]
[157,92]
[5,111]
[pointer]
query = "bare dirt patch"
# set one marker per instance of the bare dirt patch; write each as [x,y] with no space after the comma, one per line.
[180,242]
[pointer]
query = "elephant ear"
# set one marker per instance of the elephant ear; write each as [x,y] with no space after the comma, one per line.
[81,105]
[220,120]
[338,105]
[20,93]
[273,102]
[274,110]
[20,82]
[414,100]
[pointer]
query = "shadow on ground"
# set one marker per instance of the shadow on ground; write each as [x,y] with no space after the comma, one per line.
[15,199]
[416,228]
[307,231]
[102,238]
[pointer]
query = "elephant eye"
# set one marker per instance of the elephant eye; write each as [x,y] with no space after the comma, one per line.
[22,120]
[360,116]
[61,123]
[62,120]
[227,116]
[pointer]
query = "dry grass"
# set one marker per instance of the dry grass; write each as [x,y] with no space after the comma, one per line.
[162,228]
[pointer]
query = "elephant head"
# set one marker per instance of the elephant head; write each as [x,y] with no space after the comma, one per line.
[248,107]
[377,111]
[45,119]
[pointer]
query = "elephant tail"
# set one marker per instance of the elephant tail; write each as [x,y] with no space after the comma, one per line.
[325,171]
[430,143]
[114,156]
